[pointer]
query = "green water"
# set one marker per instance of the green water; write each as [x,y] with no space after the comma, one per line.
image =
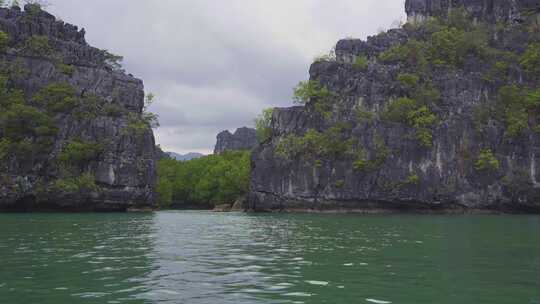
[198,257]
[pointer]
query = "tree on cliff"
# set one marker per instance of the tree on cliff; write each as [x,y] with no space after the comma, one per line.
[263,125]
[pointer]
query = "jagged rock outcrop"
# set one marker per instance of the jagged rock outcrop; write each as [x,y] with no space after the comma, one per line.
[438,116]
[73,135]
[242,139]
[489,10]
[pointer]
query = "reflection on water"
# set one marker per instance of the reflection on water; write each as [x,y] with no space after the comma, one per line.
[69,258]
[198,257]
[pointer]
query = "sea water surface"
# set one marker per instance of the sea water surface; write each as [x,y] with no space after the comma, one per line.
[203,257]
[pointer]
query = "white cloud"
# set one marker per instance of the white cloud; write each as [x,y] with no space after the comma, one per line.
[215,64]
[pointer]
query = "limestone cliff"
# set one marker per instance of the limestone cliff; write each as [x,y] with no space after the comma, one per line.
[439,115]
[488,10]
[73,135]
[242,139]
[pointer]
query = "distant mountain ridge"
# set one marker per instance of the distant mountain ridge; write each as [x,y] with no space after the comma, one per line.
[184,157]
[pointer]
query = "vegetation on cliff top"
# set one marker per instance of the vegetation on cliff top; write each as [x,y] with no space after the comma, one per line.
[438,43]
[29,124]
[263,125]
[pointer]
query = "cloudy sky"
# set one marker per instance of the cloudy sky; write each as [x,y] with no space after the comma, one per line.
[214,64]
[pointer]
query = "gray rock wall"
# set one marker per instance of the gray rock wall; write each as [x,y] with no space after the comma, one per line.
[242,139]
[410,176]
[125,169]
[489,10]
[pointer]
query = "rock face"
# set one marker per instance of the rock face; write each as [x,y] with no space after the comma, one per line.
[85,143]
[371,149]
[242,139]
[489,10]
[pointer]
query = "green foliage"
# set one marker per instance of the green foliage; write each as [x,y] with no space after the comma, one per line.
[481,116]
[214,179]
[5,146]
[141,124]
[459,18]
[14,70]
[445,47]
[426,94]
[112,60]
[517,122]
[360,164]
[397,111]
[64,185]
[530,61]
[411,53]
[88,107]
[137,125]
[315,144]
[113,110]
[499,70]
[512,96]
[407,80]
[513,102]
[381,152]
[420,117]
[38,46]
[24,129]
[164,189]
[19,121]
[379,156]
[339,184]
[314,92]
[263,125]
[364,115]
[305,91]
[57,97]
[77,153]
[66,69]
[83,183]
[361,63]
[533,99]
[442,43]
[486,161]
[412,179]
[8,96]
[34,6]
[4,40]
[289,146]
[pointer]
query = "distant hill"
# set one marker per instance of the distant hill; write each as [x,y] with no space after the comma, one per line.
[242,139]
[183,157]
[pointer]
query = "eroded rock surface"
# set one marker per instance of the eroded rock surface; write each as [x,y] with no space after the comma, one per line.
[242,139]
[90,103]
[465,152]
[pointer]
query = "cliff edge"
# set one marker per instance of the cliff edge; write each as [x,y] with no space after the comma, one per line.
[440,115]
[242,139]
[73,133]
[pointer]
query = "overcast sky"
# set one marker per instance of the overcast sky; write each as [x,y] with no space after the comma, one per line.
[214,64]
